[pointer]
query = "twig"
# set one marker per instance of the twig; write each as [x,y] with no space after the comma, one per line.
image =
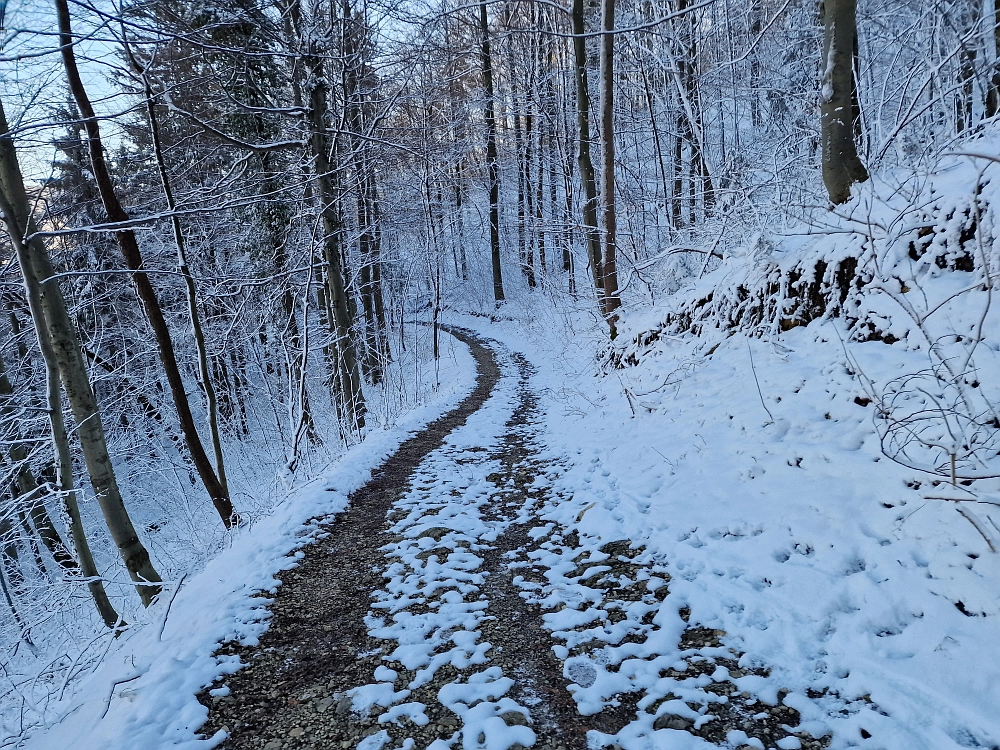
[169,605]
[759,392]
[974,520]
[111,695]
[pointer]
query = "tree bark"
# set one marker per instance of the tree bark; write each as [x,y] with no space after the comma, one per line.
[340,312]
[609,261]
[133,259]
[492,162]
[841,165]
[590,229]
[63,359]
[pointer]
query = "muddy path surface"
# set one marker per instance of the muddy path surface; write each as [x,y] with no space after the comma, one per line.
[440,611]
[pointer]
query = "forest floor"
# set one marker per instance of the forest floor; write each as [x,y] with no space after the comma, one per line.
[414,621]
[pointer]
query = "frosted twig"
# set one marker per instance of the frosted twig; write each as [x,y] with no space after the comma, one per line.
[759,392]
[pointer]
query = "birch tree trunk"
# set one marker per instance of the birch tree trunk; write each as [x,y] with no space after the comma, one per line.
[841,165]
[133,259]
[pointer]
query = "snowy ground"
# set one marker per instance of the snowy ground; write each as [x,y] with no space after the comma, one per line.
[784,530]
[775,566]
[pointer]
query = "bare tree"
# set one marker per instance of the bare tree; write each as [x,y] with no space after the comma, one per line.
[133,259]
[64,362]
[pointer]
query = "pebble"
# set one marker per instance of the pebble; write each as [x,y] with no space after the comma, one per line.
[514,719]
[273,745]
[669,721]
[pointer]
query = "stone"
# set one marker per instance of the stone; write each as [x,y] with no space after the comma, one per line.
[436,533]
[343,706]
[669,721]
[296,732]
[323,705]
[514,719]
[735,674]
[273,745]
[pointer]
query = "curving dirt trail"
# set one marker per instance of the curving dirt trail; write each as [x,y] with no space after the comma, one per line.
[432,612]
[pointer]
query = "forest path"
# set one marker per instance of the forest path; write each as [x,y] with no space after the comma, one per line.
[319,675]
[423,616]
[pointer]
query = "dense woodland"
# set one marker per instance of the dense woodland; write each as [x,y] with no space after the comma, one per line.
[232,226]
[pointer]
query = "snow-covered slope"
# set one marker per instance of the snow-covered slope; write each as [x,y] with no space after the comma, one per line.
[779,435]
[783,524]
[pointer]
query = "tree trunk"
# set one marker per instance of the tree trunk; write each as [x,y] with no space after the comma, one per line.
[341,316]
[492,164]
[609,262]
[133,259]
[522,252]
[376,340]
[841,165]
[204,370]
[591,232]
[64,361]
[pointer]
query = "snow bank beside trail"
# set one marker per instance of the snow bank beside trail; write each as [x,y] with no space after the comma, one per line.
[783,525]
[143,694]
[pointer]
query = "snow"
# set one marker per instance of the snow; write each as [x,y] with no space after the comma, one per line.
[143,693]
[793,535]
